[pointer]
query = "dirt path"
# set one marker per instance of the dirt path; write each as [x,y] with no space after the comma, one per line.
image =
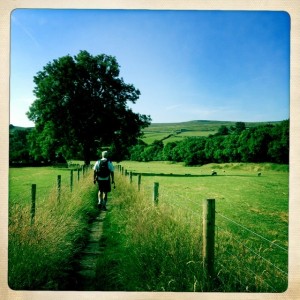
[86,273]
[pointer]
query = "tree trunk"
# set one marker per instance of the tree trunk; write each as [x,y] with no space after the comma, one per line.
[86,154]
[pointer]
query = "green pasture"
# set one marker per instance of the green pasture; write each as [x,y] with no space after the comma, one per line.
[258,203]
[42,249]
[159,131]
[151,136]
[243,200]
[45,178]
[200,125]
[197,125]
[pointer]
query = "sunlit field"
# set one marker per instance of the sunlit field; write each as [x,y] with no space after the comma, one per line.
[251,221]
[151,247]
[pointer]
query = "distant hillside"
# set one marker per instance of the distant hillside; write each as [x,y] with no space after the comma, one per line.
[176,131]
[13,128]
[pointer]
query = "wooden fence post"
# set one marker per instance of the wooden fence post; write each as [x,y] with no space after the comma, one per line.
[155,192]
[71,180]
[209,239]
[58,187]
[78,174]
[33,198]
[139,182]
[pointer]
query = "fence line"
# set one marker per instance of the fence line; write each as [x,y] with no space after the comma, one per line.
[163,193]
[252,232]
[264,272]
[228,219]
[84,170]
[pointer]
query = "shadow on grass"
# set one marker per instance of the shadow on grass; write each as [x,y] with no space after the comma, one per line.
[190,175]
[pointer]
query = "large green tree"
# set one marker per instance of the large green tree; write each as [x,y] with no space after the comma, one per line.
[82,104]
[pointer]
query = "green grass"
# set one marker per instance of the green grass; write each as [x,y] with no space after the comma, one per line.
[21,179]
[154,248]
[150,137]
[158,131]
[171,233]
[40,255]
[147,248]
[170,136]
[239,192]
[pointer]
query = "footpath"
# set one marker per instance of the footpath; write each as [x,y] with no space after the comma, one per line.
[86,272]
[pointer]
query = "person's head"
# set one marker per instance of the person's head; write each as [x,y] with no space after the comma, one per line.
[104,154]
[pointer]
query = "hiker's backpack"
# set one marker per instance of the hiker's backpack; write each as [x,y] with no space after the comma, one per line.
[102,169]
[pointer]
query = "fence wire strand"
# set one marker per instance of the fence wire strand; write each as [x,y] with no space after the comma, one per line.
[252,232]
[261,257]
[251,271]
[256,254]
[248,269]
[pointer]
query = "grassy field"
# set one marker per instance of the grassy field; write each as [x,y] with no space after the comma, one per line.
[251,218]
[171,132]
[150,248]
[256,201]
[21,179]
[40,255]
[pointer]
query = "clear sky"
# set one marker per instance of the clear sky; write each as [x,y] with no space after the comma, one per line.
[188,65]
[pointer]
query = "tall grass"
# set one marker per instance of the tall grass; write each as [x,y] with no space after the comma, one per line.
[159,248]
[155,248]
[40,256]
[148,248]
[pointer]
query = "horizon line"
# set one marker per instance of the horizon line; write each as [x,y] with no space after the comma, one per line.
[180,122]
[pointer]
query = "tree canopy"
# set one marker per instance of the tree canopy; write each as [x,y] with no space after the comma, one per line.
[80,106]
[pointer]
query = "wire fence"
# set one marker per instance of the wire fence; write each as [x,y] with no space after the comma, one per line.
[242,255]
[257,258]
[59,189]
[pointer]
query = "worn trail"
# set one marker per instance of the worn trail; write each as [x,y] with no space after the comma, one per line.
[86,272]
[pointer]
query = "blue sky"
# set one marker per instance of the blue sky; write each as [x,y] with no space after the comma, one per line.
[188,65]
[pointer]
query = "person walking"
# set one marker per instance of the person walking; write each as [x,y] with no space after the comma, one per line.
[103,171]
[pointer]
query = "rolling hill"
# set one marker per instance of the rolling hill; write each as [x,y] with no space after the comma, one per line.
[169,132]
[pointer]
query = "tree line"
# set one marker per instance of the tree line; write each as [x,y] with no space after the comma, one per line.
[263,143]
